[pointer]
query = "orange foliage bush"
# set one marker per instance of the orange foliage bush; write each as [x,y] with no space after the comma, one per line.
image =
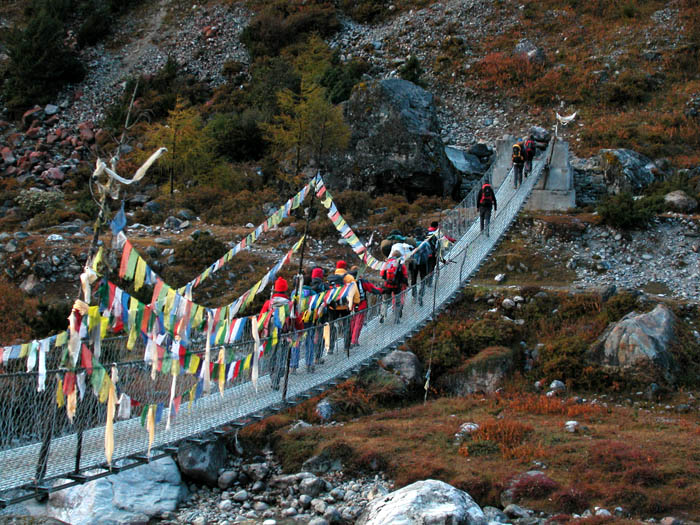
[16,311]
[502,70]
[616,456]
[543,405]
[507,433]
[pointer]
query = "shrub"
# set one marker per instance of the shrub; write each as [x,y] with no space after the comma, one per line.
[17,311]
[200,251]
[630,87]
[616,456]
[341,78]
[281,24]
[353,204]
[571,500]
[34,201]
[534,486]
[237,136]
[365,11]
[40,62]
[623,211]
[506,432]
[412,70]
[644,476]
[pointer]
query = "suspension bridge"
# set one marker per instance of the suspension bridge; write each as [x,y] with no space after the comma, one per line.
[41,451]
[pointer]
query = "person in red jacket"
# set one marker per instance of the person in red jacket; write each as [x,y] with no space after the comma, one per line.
[277,354]
[358,320]
[395,277]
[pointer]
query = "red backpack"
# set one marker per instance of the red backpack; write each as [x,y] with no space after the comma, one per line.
[486,193]
[393,274]
[529,149]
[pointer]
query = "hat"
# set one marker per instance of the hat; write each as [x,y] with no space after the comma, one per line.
[341,264]
[281,285]
[354,268]
[317,273]
[434,224]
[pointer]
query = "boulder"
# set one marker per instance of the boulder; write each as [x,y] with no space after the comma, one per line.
[322,464]
[485,372]
[202,462]
[530,51]
[680,201]
[466,163]
[134,495]
[480,150]
[638,343]
[540,135]
[32,286]
[325,409]
[395,144]
[406,365]
[429,501]
[626,170]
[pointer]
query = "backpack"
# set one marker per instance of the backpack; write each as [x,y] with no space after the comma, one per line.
[433,244]
[486,194]
[337,280]
[394,274]
[423,253]
[518,154]
[529,149]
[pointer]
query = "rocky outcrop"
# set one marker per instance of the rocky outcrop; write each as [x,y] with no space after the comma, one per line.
[626,170]
[406,365]
[680,201]
[131,496]
[395,145]
[484,372]
[202,462]
[428,501]
[638,343]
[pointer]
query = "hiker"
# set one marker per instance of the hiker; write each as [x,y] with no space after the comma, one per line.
[529,153]
[438,241]
[395,280]
[419,263]
[397,239]
[517,162]
[484,201]
[363,287]
[277,356]
[312,319]
[340,309]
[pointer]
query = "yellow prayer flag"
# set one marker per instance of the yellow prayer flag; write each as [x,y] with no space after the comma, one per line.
[109,426]
[140,275]
[61,339]
[24,351]
[104,326]
[246,364]
[93,316]
[104,389]
[169,299]
[222,370]
[194,364]
[132,338]
[60,401]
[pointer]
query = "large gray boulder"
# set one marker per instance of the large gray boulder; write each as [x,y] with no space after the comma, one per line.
[202,462]
[132,496]
[465,162]
[429,501]
[406,365]
[638,343]
[395,145]
[627,171]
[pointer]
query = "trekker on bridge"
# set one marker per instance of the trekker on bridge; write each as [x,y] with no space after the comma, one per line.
[395,278]
[313,342]
[517,162]
[419,264]
[439,241]
[484,201]
[277,352]
[341,309]
[529,152]
[358,320]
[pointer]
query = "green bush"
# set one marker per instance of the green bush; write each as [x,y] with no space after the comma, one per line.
[366,11]
[35,201]
[630,87]
[237,136]
[623,211]
[281,24]
[200,251]
[40,63]
[341,78]
[412,70]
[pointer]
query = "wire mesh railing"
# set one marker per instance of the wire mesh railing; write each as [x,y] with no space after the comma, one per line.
[40,445]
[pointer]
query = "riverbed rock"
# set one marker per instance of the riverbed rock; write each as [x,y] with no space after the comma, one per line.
[680,201]
[406,365]
[484,372]
[627,171]
[428,501]
[201,462]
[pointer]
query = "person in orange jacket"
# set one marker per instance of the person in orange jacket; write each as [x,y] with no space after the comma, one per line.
[340,310]
[277,354]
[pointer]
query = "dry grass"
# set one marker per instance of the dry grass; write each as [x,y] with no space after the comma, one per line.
[622,457]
